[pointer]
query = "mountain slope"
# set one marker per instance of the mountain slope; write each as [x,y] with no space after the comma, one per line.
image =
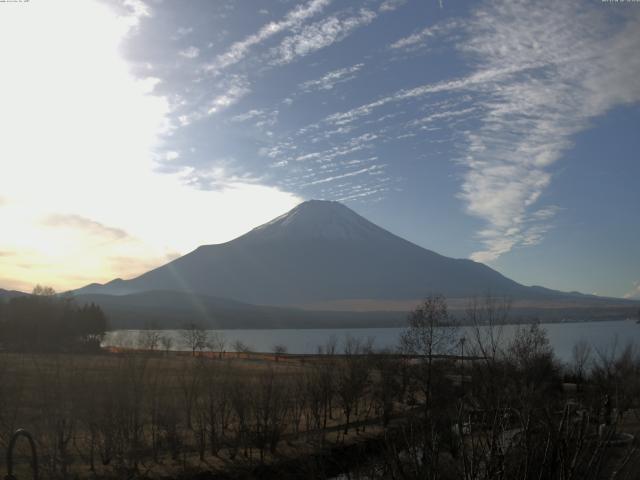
[319,251]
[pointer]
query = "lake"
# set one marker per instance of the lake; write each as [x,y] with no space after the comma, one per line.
[603,336]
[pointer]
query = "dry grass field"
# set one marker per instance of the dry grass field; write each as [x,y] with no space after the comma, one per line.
[165,415]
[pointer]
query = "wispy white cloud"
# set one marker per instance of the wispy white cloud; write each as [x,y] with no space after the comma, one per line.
[262,118]
[331,79]
[243,117]
[352,145]
[240,49]
[223,172]
[190,52]
[341,171]
[371,169]
[545,213]
[569,64]
[442,116]
[321,34]
[87,225]
[419,39]
[237,89]
[233,89]
[182,32]
[268,119]
[478,80]
[390,5]
[359,192]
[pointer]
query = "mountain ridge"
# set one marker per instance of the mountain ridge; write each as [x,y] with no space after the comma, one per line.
[317,251]
[11,293]
[320,251]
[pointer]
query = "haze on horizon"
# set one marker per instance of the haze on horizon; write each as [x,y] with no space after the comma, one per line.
[502,131]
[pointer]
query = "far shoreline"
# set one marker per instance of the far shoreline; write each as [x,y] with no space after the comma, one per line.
[379,327]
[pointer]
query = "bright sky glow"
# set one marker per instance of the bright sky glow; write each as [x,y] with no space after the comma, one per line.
[81,199]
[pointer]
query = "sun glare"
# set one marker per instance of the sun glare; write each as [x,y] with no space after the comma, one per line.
[79,136]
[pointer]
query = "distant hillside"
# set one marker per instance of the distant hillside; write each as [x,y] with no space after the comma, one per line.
[169,309]
[321,252]
[5,294]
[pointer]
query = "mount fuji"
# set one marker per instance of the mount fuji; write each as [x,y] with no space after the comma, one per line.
[320,251]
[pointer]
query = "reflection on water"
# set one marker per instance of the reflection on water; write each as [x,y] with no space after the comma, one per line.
[563,336]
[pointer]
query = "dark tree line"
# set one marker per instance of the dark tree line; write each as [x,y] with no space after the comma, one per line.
[46,322]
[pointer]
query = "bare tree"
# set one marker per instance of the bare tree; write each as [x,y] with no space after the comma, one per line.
[217,342]
[43,291]
[430,332]
[59,386]
[270,405]
[387,385]
[194,337]
[133,371]
[299,401]
[167,343]
[240,347]
[353,377]
[278,350]
[314,394]
[169,423]
[330,347]
[487,317]
[615,373]
[239,400]
[157,386]
[217,405]
[580,356]
[190,383]
[149,339]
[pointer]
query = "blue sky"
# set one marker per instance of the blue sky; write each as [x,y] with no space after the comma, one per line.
[503,131]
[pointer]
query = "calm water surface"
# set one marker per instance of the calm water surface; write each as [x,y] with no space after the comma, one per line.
[603,336]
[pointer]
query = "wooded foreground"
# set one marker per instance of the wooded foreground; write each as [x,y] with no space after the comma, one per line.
[499,410]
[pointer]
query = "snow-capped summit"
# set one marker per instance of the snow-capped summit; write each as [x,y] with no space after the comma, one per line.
[318,219]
